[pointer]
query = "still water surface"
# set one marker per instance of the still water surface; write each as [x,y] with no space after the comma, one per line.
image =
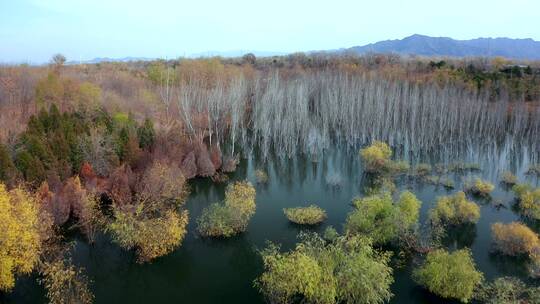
[222,271]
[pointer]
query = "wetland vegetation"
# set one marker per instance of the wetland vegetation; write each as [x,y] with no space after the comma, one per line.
[138,181]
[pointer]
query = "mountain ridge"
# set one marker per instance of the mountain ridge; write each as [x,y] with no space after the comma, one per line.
[413,45]
[422,45]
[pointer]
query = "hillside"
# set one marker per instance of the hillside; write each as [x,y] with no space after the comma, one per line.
[443,46]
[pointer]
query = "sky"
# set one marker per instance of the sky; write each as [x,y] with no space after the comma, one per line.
[31,31]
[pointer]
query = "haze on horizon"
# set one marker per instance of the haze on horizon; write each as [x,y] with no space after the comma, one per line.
[33,30]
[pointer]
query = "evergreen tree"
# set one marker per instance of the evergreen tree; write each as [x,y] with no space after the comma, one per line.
[146,134]
[8,171]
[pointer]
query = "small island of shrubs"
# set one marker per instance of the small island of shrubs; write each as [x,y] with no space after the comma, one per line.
[231,217]
[507,290]
[508,178]
[346,270]
[377,160]
[516,239]
[479,187]
[310,215]
[528,199]
[381,219]
[449,275]
[454,210]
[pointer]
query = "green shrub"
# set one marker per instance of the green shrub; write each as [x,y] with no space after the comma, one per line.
[49,90]
[261,176]
[534,169]
[380,185]
[449,275]
[146,134]
[508,178]
[379,218]
[347,270]
[408,210]
[528,200]
[455,210]
[423,169]
[231,217]
[376,154]
[397,167]
[377,160]
[89,97]
[240,196]
[479,187]
[8,171]
[520,189]
[311,215]
[330,234]
[31,168]
[219,220]
[373,216]
[507,290]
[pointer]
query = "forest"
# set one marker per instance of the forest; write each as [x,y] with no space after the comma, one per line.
[119,150]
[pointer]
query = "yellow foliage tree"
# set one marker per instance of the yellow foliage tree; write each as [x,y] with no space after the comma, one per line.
[152,237]
[232,217]
[65,283]
[241,196]
[376,156]
[19,235]
[514,239]
[89,96]
[377,160]
[455,210]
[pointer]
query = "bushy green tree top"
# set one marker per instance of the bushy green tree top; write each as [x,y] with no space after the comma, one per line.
[455,210]
[376,158]
[449,275]
[528,200]
[347,270]
[310,215]
[378,217]
[8,172]
[231,217]
[508,290]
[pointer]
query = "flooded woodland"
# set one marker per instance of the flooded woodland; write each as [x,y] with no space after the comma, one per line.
[296,179]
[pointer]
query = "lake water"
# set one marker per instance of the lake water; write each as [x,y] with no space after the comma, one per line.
[222,271]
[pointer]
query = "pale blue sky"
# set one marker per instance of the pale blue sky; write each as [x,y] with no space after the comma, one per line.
[33,30]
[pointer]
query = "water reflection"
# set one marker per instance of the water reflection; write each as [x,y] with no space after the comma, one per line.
[222,271]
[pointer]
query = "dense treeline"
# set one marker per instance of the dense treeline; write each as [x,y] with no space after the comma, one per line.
[222,90]
[56,143]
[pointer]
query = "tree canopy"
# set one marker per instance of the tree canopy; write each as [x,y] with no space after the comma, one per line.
[20,242]
[449,275]
[347,270]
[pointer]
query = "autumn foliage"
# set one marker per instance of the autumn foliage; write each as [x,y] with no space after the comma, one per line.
[232,216]
[455,210]
[20,242]
[514,239]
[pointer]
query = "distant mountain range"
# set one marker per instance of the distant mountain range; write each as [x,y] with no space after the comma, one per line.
[107,59]
[227,54]
[442,46]
[237,53]
[419,45]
